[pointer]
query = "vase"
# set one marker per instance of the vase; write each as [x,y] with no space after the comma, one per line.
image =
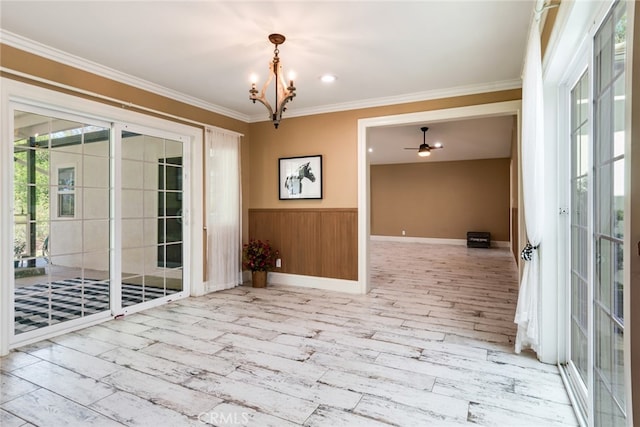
[259,279]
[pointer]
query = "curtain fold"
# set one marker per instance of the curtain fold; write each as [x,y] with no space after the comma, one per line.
[223,204]
[532,153]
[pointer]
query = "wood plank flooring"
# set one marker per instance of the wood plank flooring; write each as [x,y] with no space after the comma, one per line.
[432,344]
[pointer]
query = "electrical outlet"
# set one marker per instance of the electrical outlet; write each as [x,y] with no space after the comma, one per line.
[278,263]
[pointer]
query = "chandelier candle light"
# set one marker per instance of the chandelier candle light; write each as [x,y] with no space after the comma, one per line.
[283,92]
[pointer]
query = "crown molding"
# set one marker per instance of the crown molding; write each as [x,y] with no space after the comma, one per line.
[400,99]
[53,54]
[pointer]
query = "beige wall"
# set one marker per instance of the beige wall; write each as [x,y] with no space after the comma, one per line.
[441,199]
[335,136]
[334,139]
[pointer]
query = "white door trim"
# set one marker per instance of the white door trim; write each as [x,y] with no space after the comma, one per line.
[364,214]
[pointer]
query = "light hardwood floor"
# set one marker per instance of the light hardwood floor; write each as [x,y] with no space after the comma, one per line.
[432,344]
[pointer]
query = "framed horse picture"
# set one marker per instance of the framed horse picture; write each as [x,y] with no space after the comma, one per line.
[300,177]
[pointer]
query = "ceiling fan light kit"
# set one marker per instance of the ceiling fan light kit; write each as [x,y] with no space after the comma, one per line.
[425,149]
[283,92]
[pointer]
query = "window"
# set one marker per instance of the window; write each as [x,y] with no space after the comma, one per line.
[66,192]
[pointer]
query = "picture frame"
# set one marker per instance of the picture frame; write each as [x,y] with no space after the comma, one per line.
[300,178]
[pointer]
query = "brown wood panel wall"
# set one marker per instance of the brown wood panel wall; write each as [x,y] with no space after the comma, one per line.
[312,242]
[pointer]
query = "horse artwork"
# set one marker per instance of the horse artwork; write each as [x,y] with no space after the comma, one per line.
[293,183]
[300,177]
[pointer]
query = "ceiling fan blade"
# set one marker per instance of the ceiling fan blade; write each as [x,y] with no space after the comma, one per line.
[412,148]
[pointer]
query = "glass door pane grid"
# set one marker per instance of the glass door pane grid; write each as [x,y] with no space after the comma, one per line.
[151,217]
[579,181]
[51,284]
[170,192]
[609,45]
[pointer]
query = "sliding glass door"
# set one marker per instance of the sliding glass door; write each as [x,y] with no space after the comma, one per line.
[609,156]
[580,243]
[98,224]
[152,235]
[595,363]
[61,175]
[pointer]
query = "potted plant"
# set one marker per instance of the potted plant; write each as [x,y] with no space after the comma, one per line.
[259,257]
[18,249]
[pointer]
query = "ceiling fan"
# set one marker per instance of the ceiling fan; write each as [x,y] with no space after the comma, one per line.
[425,149]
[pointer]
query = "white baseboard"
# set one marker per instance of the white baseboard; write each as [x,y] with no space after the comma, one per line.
[435,241]
[325,283]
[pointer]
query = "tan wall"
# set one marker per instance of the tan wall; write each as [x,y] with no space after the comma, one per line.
[335,136]
[441,199]
[335,140]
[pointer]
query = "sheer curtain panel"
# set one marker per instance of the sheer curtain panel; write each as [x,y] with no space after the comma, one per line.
[223,202]
[532,188]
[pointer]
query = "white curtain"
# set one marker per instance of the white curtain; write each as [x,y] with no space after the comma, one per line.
[223,203]
[533,192]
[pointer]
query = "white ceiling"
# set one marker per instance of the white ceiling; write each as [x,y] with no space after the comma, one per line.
[482,138]
[382,52]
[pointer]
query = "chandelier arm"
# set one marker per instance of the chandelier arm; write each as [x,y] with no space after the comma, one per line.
[264,102]
[263,92]
[281,84]
[277,116]
[265,86]
[283,101]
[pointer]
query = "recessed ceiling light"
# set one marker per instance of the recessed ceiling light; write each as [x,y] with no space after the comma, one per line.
[328,78]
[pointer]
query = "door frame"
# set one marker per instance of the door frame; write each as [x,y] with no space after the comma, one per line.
[581,63]
[418,118]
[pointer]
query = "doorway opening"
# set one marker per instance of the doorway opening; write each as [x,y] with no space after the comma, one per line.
[364,190]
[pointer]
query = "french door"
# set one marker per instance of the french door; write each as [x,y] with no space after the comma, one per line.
[595,363]
[97,226]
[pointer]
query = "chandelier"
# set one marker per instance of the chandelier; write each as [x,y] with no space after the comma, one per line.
[283,93]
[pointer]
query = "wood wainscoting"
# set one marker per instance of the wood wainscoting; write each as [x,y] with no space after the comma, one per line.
[312,242]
